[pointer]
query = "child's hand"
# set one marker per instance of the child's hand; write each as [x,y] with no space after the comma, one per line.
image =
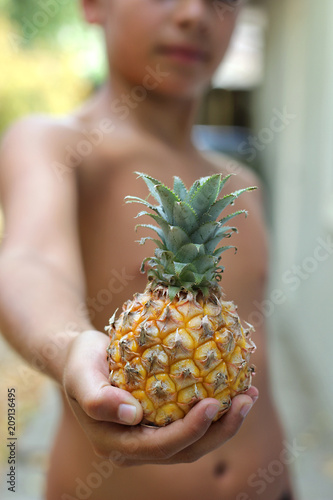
[99,408]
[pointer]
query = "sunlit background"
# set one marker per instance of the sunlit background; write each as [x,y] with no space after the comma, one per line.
[271,106]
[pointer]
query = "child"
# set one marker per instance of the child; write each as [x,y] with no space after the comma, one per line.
[70,238]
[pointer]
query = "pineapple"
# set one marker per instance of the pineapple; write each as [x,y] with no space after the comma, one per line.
[179,341]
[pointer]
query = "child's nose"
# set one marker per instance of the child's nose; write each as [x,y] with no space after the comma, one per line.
[190,12]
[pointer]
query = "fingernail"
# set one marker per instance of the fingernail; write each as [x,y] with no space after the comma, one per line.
[245,409]
[254,398]
[127,413]
[212,411]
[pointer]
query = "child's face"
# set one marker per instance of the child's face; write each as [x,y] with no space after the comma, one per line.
[185,39]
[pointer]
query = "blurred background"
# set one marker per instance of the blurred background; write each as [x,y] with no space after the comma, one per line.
[270,105]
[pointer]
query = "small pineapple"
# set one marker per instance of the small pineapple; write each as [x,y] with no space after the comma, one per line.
[179,342]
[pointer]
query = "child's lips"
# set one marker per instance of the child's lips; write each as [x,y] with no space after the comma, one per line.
[184,53]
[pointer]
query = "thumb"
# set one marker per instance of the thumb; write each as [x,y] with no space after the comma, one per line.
[101,401]
[86,383]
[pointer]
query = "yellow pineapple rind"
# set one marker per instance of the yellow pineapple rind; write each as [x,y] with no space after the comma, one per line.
[172,354]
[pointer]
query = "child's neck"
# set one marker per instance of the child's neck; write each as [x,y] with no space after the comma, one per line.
[167,118]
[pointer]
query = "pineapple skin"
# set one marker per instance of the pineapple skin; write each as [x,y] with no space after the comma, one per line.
[170,354]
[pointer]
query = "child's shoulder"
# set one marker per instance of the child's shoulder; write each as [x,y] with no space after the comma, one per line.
[30,150]
[44,130]
[36,145]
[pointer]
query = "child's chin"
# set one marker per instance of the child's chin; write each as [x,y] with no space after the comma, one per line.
[181,90]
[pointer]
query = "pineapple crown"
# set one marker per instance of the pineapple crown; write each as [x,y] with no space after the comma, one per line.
[186,257]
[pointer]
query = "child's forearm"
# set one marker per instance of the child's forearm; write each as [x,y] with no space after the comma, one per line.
[41,312]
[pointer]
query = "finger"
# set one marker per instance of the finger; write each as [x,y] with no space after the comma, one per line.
[221,431]
[143,445]
[184,432]
[137,445]
[253,393]
[166,442]
[216,435]
[87,383]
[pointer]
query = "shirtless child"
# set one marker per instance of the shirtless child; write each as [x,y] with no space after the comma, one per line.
[69,235]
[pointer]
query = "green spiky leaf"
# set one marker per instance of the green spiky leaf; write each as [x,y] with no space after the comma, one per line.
[220,250]
[157,218]
[168,200]
[200,278]
[187,253]
[205,195]
[175,238]
[192,190]
[158,243]
[157,230]
[223,203]
[180,266]
[223,181]
[204,232]
[179,188]
[231,216]
[222,232]
[136,199]
[187,275]
[186,258]
[173,290]
[184,216]
[151,184]
[204,263]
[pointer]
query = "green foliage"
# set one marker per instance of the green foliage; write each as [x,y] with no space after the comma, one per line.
[50,58]
[36,81]
[187,257]
[38,20]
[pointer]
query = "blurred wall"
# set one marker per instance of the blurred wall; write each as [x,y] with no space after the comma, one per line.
[294,131]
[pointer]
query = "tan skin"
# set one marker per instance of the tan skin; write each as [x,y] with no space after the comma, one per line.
[76,231]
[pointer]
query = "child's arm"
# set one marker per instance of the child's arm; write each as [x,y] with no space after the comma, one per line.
[41,279]
[43,314]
